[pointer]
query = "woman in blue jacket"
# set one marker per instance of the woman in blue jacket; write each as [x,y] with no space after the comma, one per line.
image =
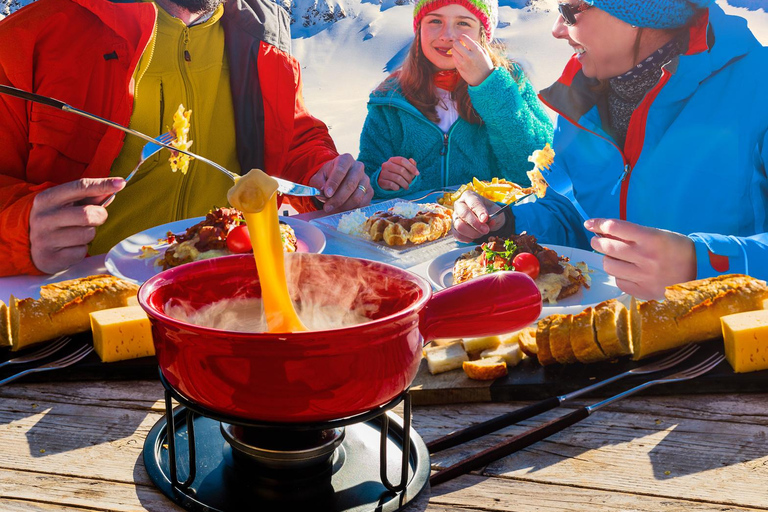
[663,132]
[457,109]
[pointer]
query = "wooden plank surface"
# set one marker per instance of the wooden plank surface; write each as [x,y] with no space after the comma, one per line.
[714,448]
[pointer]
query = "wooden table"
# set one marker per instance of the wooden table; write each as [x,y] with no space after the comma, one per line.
[78,447]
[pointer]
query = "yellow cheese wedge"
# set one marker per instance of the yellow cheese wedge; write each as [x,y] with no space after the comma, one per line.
[746,340]
[121,333]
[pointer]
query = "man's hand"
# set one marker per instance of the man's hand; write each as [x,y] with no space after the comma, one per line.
[643,260]
[472,61]
[63,221]
[344,183]
[397,172]
[470,217]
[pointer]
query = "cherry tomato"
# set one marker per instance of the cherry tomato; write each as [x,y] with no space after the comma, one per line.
[527,263]
[238,240]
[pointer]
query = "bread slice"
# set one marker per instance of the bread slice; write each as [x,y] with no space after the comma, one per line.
[544,353]
[443,358]
[691,312]
[485,369]
[560,339]
[583,338]
[526,340]
[611,319]
[509,352]
[64,308]
[5,325]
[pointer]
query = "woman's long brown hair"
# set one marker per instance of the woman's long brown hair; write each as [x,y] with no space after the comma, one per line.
[417,87]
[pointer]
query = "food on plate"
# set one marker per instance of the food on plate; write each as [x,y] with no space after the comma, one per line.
[401,224]
[443,358]
[63,308]
[211,238]
[5,325]
[122,333]
[746,340]
[541,159]
[691,312]
[497,190]
[180,132]
[489,368]
[555,276]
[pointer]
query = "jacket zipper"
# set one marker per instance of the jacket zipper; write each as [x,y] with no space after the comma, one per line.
[627,170]
[444,161]
[149,61]
[185,179]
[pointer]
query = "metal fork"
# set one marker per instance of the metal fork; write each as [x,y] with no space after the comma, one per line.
[65,361]
[524,413]
[149,149]
[40,354]
[542,432]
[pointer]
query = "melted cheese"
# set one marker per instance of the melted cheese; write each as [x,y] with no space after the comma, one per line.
[746,340]
[121,333]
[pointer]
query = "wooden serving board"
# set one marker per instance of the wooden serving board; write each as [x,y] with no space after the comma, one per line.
[531,381]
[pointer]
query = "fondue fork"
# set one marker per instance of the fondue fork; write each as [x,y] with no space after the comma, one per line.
[41,353]
[524,413]
[542,432]
[65,361]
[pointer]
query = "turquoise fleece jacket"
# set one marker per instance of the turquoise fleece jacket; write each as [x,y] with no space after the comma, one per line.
[695,160]
[514,125]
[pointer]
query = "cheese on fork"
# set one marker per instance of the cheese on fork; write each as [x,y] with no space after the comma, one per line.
[746,340]
[121,333]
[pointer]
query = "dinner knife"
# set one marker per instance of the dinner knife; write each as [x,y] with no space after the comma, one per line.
[283,186]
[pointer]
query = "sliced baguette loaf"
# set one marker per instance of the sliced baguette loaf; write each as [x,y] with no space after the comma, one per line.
[611,329]
[5,325]
[527,341]
[560,339]
[543,351]
[64,308]
[583,338]
[485,369]
[691,312]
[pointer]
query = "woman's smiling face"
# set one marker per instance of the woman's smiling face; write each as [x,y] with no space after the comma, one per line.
[441,28]
[605,45]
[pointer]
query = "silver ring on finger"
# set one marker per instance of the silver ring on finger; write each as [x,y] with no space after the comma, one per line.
[362,189]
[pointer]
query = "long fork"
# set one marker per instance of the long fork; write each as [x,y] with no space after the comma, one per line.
[40,354]
[149,149]
[524,413]
[65,361]
[542,432]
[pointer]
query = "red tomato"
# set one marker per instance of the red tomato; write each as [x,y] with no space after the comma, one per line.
[238,240]
[527,263]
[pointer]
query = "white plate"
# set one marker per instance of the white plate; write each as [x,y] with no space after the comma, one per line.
[123,259]
[603,286]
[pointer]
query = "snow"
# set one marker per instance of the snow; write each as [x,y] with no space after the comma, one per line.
[346,47]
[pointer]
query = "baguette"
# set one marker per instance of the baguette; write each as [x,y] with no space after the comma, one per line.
[691,312]
[64,308]
[611,321]
[583,338]
[527,341]
[542,341]
[560,339]
[5,325]
[485,369]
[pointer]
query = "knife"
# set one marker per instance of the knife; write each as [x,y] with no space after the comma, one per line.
[283,186]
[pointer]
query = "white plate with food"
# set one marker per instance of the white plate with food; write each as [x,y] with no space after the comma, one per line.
[142,255]
[601,286]
[397,226]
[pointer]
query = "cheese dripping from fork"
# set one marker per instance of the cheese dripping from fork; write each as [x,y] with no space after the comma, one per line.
[255,194]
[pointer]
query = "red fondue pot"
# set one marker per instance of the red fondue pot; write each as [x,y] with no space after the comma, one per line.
[321,375]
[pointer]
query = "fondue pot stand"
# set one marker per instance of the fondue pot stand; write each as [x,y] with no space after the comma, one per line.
[303,421]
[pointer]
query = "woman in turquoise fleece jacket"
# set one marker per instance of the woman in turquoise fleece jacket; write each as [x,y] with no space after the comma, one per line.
[679,193]
[457,109]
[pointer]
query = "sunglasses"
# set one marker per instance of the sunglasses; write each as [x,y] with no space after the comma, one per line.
[569,12]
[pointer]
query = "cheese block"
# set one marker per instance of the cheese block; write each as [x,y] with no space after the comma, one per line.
[746,340]
[122,333]
[445,357]
[479,344]
[509,352]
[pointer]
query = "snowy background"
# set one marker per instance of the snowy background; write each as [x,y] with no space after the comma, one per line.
[346,47]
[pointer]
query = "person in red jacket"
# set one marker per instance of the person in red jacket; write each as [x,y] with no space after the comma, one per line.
[134,62]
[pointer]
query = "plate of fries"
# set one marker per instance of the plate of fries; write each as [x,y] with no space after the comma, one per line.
[498,190]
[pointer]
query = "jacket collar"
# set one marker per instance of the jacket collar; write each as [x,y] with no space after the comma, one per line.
[715,40]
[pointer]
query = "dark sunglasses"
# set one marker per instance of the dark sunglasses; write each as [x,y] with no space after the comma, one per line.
[569,12]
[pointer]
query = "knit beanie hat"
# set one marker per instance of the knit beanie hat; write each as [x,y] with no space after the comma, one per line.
[652,13]
[487,11]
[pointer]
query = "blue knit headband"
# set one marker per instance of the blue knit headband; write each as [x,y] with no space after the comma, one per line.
[652,13]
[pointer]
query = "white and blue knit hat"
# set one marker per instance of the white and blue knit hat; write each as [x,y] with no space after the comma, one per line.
[652,13]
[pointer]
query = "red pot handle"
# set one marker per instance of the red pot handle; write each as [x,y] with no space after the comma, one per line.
[492,304]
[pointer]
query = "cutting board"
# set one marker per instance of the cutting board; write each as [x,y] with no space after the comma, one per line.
[531,381]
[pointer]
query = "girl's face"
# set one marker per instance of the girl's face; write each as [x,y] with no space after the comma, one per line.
[441,28]
[605,45]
